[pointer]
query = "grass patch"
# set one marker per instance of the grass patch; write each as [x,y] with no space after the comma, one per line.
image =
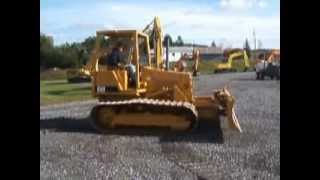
[51,74]
[54,87]
[207,67]
[60,91]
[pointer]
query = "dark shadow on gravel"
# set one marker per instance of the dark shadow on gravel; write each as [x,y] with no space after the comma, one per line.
[204,134]
[254,79]
[60,92]
[245,79]
[67,125]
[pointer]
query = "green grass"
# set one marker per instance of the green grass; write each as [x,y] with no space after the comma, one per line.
[207,67]
[54,87]
[60,91]
[51,74]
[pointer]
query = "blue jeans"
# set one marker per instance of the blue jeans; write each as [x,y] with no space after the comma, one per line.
[132,72]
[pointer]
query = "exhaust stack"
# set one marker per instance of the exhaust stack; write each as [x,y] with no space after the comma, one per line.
[167,53]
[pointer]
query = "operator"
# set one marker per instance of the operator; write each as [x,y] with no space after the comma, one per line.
[132,73]
[115,58]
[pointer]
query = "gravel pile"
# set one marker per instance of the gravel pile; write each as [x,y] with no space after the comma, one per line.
[71,149]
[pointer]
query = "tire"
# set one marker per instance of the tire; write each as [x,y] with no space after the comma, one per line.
[278,73]
[258,76]
[278,76]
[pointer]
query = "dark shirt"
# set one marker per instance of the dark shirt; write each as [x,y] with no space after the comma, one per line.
[114,58]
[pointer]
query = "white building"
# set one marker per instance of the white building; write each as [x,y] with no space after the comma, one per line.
[175,53]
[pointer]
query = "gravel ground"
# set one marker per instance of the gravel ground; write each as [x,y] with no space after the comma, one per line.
[71,149]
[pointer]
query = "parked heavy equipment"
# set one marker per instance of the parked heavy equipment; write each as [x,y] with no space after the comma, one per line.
[229,66]
[181,64]
[269,67]
[159,97]
[78,75]
[196,59]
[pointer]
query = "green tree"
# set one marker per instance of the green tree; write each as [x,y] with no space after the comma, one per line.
[213,44]
[89,43]
[167,37]
[179,41]
[67,55]
[247,48]
[46,49]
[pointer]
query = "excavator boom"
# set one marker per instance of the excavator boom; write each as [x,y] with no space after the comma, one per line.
[228,66]
[154,31]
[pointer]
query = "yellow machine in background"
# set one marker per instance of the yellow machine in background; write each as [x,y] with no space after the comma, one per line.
[159,97]
[78,75]
[274,56]
[269,67]
[228,66]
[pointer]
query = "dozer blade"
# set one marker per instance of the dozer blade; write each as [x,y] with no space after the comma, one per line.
[226,101]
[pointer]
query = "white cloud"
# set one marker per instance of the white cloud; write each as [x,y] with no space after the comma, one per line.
[262,4]
[200,24]
[242,4]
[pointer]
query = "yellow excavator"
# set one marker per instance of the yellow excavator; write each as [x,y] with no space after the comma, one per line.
[228,66]
[159,97]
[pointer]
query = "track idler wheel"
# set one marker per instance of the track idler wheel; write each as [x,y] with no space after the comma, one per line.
[101,118]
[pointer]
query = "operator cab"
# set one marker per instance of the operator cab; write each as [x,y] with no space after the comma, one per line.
[134,55]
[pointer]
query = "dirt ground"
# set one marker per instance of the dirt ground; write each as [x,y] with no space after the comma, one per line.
[71,149]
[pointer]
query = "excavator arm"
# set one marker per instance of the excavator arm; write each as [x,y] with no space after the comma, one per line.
[154,31]
[238,54]
[92,64]
[246,59]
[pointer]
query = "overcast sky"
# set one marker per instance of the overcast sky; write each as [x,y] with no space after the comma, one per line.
[228,22]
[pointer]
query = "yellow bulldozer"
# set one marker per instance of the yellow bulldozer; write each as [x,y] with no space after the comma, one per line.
[229,66]
[158,97]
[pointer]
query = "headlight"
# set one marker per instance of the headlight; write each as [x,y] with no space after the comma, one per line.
[101,89]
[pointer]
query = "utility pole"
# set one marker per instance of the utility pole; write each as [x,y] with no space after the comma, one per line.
[254,38]
[255,44]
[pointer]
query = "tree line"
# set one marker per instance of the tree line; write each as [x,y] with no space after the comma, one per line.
[76,54]
[66,55]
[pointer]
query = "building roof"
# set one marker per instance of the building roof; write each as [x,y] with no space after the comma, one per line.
[210,50]
[203,50]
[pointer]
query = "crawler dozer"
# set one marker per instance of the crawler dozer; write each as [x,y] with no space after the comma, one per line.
[159,97]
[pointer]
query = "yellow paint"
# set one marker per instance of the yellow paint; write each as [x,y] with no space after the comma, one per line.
[228,64]
[152,82]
